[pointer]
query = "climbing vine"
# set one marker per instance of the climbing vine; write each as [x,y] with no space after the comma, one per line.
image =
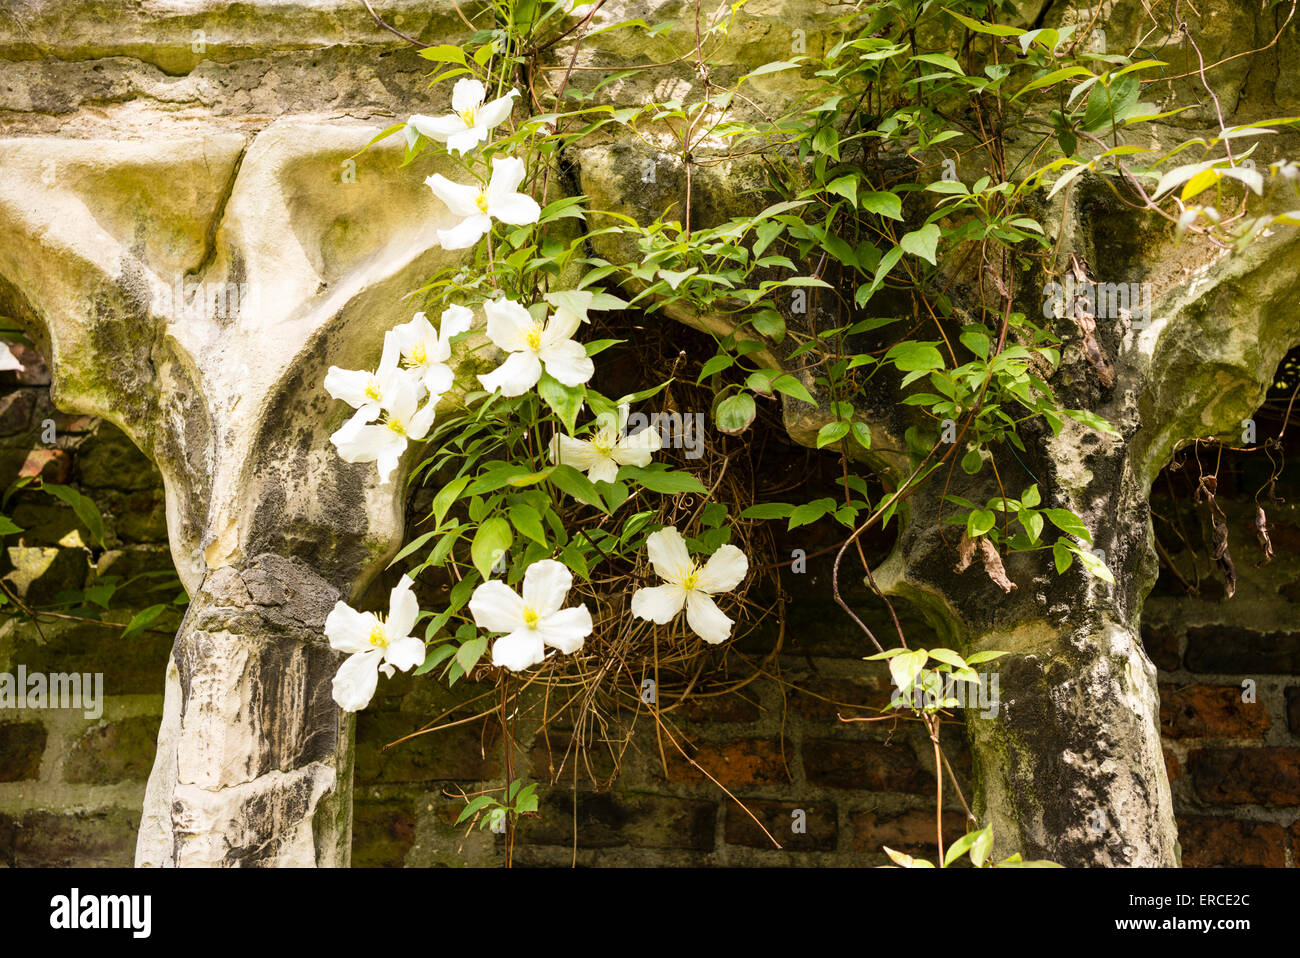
[575,552]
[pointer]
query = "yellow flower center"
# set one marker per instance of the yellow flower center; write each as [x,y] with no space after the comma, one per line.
[534,337]
[419,355]
[531,618]
[690,576]
[396,426]
[378,637]
[481,202]
[372,390]
[470,116]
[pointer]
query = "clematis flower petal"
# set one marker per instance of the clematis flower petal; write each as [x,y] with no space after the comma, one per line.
[405,654]
[437,379]
[668,555]
[419,425]
[578,453]
[494,113]
[466,139]
[349,385]
[546,585]
[660,604]
[354,684]
[705,618]
[388,457]
[349,630]
[567,362]
[507,174]
[403,610]
[454,321]
[518,650]
[517,209]
[465,233]
[563,323]
[496,607]
[436,128]
[467,94]
[514,377]
[724,570]
[508,324]
[605,470]
[566,629]
[461,200]
[636,450]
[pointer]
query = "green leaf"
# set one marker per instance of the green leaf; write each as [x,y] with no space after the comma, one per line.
[883,204]
[564,401]
[1092,563]
[142,619]
[734,414]
[490,543]
[911,356]
[961,846]
[906,667]
[1062,554]
[83,506]
[662,480]
[769,322]
[1092,420]
[979,522]
[831,432]
[475,805]
[948,657]
[570,480]
[922,243]
[446,496]
[528,521]
[7,526]
[467,655]
[790,386]
[768,510]
[845,186]
[444,53]
[1069,523]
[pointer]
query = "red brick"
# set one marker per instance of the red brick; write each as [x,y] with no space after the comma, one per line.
[733,707]
[382,833]
[825,700]
[1210,711]
[21,746]
[821,829]
[865,765]
[911,831]
[112,752]
[606,820]
[1208,842]
[459,753]
[1263,776]
[1161,644]
[52,465]
[1173,768]
[752,761]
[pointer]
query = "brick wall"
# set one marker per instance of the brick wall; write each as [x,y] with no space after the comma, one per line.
[71,789]
[1234,764]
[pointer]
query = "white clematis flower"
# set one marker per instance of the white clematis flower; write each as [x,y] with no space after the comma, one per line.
[376,644]
[689,585]
[533,344]
[477,206]
[368,392]
[383,443]
[8,360]
[425,351]
[470,124]
[600,456]
[534,621]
